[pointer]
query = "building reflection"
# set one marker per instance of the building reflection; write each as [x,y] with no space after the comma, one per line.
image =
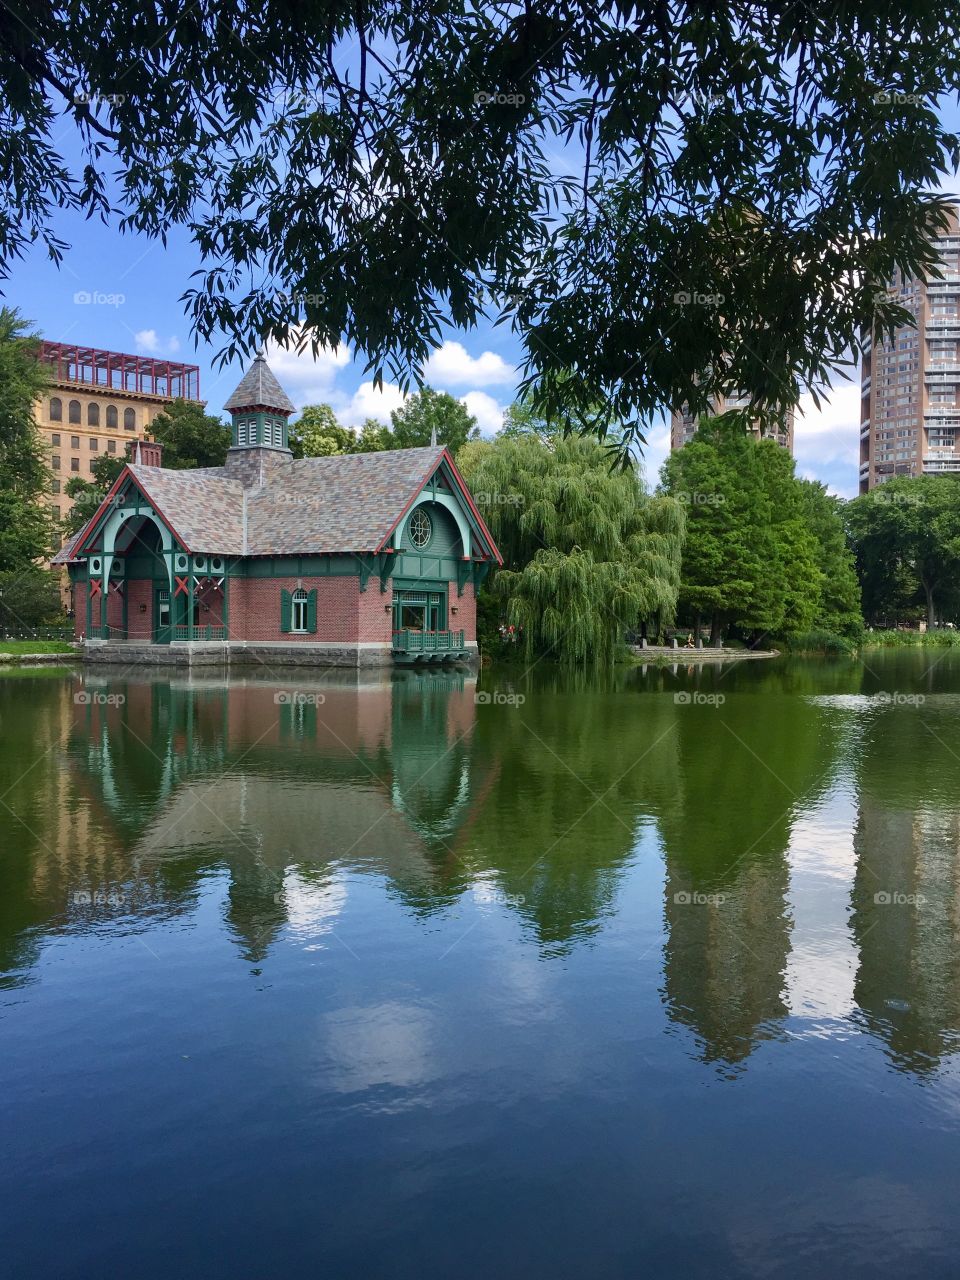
[905,899]
[727,918]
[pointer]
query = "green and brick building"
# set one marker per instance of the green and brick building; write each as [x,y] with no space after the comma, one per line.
[354,560]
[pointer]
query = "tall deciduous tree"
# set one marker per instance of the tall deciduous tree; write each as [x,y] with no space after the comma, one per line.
[589,556]
[912,524]
[429,411]
[730,553]
[737,175]
[190,437]
[26,525]
[839,608]
[318,434]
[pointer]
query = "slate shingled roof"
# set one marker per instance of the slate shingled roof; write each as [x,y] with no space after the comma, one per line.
[346,503]
[311,506]
[258,386]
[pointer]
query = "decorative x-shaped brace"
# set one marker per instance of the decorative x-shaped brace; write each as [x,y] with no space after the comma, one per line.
[181,588]
[95,586]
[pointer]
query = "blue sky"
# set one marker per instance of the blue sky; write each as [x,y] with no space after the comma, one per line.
[122,292]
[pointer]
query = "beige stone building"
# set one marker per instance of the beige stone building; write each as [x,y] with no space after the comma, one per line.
[910,383]
[683,425]
[99,401]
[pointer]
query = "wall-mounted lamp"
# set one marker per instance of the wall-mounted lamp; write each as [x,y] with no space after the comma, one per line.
[143,608]
[454,608]
[388,608]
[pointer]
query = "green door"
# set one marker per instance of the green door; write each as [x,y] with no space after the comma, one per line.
[161,615]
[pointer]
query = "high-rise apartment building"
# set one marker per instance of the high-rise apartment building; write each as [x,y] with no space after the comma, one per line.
[97,402]
[683,425]
[910,384]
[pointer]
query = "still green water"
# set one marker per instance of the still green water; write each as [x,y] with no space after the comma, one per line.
[541,976]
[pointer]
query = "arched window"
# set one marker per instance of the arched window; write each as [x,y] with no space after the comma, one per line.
[74,411]
[93,415]
[111,417]
[421,528]
[129,420]
[299,616]
[56,409]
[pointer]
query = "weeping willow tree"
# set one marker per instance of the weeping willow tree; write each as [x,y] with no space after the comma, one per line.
[587,554]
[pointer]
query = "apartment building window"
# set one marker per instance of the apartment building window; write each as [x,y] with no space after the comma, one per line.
[55,438]
[111,417]
[74,442]
[94,444]
[111,446]
[54,486]
[56,409]
[74,412]
[74,464]
[93,463]
[129,420]
[55,462]
[93,415]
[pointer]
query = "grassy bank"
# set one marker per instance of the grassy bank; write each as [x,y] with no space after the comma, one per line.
[20,647]
[911,640]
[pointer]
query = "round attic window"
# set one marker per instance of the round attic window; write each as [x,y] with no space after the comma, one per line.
[421,528]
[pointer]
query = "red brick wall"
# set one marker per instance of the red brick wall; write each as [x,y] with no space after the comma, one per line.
[465,619]
[115,613]
[140,625]
[375,613]
[254,609]
[212,615]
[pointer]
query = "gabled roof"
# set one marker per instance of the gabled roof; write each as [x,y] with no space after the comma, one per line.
[204,507]
[312,506]
[65,554]
[259,387]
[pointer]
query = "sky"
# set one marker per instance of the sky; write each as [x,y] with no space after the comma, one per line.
[121,292]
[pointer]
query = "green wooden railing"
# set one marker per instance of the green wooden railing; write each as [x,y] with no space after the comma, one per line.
[210,631]
[427,642]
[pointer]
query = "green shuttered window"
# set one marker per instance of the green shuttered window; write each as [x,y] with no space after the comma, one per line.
[298,612]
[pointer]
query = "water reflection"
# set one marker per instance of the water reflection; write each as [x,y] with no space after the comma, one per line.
[698,823]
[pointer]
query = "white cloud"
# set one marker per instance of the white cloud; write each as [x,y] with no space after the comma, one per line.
[306,378]
[452,363]
[827,440]
[488,413]
[368,402]
[149,343]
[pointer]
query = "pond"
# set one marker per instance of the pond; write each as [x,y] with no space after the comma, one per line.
[415,974]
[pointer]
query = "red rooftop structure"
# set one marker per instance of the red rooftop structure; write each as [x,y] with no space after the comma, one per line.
[134,375]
